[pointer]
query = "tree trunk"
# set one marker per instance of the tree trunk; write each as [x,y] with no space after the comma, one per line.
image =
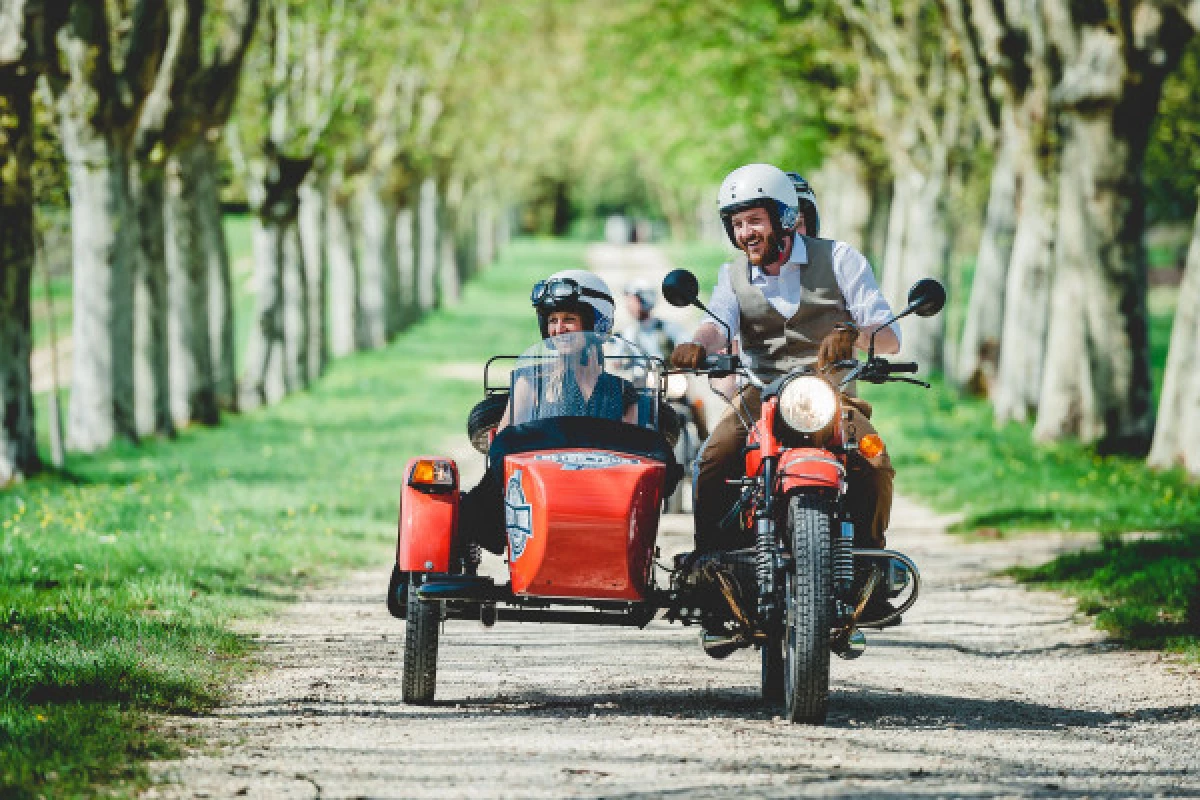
[221,328]
[979,351]
[485,236]
[193,388]
[295,310]
[266,357]
[1097,380]
[1177,434]
[103,244]
[449,267]
[904,185]
[427,245]
[1027,289]
[313,234]
[926,255]
[344,316]
[406,265]
[18,438]
[880,188]
[378,271]
[152,398]
[846,203]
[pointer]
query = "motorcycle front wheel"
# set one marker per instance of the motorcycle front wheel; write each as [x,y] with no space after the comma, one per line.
[808,591]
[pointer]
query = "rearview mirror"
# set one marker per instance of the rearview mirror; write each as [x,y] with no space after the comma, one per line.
[927,297]
[680,288]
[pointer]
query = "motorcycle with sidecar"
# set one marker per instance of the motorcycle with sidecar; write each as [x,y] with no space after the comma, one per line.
[583,496]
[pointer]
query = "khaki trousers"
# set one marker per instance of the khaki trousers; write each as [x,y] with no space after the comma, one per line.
[869,493]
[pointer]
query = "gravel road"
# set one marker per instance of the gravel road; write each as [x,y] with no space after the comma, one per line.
[986,690]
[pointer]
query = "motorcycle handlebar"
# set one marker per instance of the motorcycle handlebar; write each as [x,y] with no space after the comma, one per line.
[902,366]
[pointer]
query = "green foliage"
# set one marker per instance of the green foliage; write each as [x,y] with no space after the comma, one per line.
[118,581]
[1173,156]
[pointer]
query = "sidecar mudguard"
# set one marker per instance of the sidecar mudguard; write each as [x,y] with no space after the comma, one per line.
[428,519]
[810,466]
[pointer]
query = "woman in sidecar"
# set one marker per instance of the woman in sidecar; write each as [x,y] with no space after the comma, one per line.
[578,388]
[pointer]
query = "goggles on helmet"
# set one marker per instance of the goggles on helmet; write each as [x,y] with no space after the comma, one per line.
[558,291]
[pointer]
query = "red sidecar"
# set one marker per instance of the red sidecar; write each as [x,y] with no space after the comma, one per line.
[585,471]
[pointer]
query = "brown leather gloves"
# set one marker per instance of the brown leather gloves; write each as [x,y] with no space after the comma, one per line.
[838,345]
[688,355]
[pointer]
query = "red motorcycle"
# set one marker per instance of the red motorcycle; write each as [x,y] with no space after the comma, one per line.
[583,494]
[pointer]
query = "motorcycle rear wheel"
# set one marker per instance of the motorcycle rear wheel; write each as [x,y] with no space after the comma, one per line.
[422,626]
[809,610]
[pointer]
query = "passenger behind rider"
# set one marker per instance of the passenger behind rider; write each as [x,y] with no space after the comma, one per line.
[792,300]
[568,303]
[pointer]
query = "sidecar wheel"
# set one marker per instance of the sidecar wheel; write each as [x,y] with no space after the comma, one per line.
[809,609]
[424,619]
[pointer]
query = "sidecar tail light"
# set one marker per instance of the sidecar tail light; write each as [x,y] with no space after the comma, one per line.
[433,475]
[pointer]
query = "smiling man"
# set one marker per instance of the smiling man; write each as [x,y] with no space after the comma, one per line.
[792,300]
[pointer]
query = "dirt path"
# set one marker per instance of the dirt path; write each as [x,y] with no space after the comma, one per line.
[986,690]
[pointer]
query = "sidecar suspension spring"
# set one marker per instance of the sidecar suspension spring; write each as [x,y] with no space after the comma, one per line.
[843,557]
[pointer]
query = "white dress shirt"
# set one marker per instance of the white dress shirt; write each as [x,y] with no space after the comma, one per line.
[855,278]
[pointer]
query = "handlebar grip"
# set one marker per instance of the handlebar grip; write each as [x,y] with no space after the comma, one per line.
[902,366]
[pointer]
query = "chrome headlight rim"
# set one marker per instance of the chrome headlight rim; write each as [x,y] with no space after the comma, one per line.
[677,386]
[822,406]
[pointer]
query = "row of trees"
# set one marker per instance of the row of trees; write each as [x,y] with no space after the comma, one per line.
[360,138]
[1034,115]
[381,145]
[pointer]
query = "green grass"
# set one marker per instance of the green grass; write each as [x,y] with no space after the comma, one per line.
[119,580]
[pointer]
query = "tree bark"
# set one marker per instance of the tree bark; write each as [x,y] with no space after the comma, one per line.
[427,245]
[1027,289]
[378,272]
[152,400]
[406,265]
[450,268]
[211,238]
[193,388]
[104,240]
[295,310]
[18,438]
[844,198]
[1115,62]
[485,236]
[979,351]
[265,357]
[926,255]
[313,226]
[345,324]
[1177,434]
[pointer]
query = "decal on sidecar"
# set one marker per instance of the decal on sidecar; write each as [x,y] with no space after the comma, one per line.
[577,461]
[518,516]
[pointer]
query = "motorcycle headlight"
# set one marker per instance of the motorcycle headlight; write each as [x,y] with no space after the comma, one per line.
[807,404]
[677,386]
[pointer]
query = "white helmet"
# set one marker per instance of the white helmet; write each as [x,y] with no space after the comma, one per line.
[575,290]
[759,186]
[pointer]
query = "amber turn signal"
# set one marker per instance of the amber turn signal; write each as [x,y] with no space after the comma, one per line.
[870,445]
[434,474]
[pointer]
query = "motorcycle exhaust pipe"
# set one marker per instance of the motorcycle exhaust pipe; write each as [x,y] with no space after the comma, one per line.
[853,646]
[720,646]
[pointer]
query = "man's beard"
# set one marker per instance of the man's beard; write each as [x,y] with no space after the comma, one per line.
[772,252]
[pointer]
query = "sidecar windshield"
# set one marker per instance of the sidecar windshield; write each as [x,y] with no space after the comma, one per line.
[586,375]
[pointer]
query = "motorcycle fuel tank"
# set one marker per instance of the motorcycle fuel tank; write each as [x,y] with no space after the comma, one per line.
[581,523]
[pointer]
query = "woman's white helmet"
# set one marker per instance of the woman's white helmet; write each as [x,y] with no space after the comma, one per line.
[807,204]
[592,299]
[759,186]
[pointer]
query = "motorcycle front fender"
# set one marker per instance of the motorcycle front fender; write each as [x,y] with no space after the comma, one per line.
[427,524]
